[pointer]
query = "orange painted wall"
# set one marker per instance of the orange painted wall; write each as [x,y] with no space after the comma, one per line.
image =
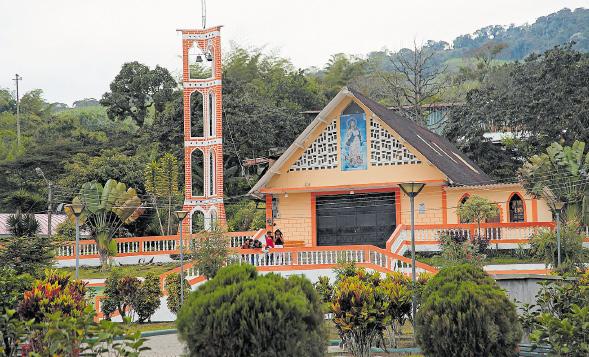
[295,216]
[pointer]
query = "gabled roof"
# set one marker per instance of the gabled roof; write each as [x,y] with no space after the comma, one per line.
[459,169]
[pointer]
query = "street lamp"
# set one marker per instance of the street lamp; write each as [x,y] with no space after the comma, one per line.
[412,189]
[558,205]
[181,215]
[49,198]
[77,209]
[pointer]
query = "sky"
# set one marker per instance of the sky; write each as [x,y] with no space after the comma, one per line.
[72,49]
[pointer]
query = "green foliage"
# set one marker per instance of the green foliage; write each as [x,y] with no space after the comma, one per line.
[23,225]
[161,182]
[137,88]
[122,293]
[106,210]
[477,210]
[13,332]
[245,216]
[172,285]
[360,305]
[465,313]
[148,298]
[458,251]
[560,175]
[538,100]
[65,231]
[12,287]
[543,245]
[324,289]
[129,295]
[241,313]
[27,255]
[55,292]
[210,252]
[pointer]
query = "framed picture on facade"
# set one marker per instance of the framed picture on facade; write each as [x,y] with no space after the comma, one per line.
[353,142]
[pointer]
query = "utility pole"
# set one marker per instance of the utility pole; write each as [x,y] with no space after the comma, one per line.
[49,199]
[16,79]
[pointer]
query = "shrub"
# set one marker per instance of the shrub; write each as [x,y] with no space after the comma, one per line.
[23,225]
[245,216]
[458,251]
[27,255]
[172,285]
[148,298]
[465,313]
[543,245]
[241,313]
[477,210]
[121,293]
[324,289]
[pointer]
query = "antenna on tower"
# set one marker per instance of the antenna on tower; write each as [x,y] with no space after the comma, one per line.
[204,13]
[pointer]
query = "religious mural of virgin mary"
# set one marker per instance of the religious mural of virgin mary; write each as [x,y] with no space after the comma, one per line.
[353,142]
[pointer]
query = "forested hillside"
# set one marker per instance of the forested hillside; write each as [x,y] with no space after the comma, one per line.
[543,98]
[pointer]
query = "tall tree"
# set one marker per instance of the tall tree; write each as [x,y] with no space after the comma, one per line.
[137,88]
[161,182]
[418,80]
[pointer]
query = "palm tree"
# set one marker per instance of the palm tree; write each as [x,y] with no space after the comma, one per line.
[106,210]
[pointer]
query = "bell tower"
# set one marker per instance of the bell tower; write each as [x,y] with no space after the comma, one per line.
[203,143]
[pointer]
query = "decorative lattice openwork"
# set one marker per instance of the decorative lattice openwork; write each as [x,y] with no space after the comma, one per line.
[385,149]
[322,154]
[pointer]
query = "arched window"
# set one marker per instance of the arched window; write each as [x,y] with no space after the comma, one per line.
[212,173]
[213,219]
[516,208]
[197,120]
[196,168]
[198,221]
[211,114]
[463,201]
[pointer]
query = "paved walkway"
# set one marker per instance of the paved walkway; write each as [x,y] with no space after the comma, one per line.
[164,346]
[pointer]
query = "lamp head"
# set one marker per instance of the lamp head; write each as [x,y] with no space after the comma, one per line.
[77,208]
[39,171]
[558,205]
[412,189]
[181,215]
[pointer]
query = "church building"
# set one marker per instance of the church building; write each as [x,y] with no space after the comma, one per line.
[338,183]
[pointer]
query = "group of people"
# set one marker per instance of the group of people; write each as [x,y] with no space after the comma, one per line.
[270,240]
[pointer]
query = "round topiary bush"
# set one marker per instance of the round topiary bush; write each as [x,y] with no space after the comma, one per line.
[464,312]
[241,313]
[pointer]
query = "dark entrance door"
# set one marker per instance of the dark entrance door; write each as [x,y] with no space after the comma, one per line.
[367,218]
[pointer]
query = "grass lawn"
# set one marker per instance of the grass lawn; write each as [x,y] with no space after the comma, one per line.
[87,272]
[153,326]
[440,262]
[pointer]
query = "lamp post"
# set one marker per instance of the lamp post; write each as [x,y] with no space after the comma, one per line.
[412,189]
[181,215]
[558,205]
[49,199]
[77,209]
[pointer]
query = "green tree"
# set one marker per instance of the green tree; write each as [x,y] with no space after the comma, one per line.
[137,88]
[537,100]
[27,255]
[561,174]
[245,216]
[148,298]
[242,313]
[543,245]
[161,182]
[172,285]
[210,252]
[477,210]
[106,209]
[121,293]
[23,225]
[465,313]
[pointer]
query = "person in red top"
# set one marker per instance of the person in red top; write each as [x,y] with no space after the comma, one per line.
[269,240]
